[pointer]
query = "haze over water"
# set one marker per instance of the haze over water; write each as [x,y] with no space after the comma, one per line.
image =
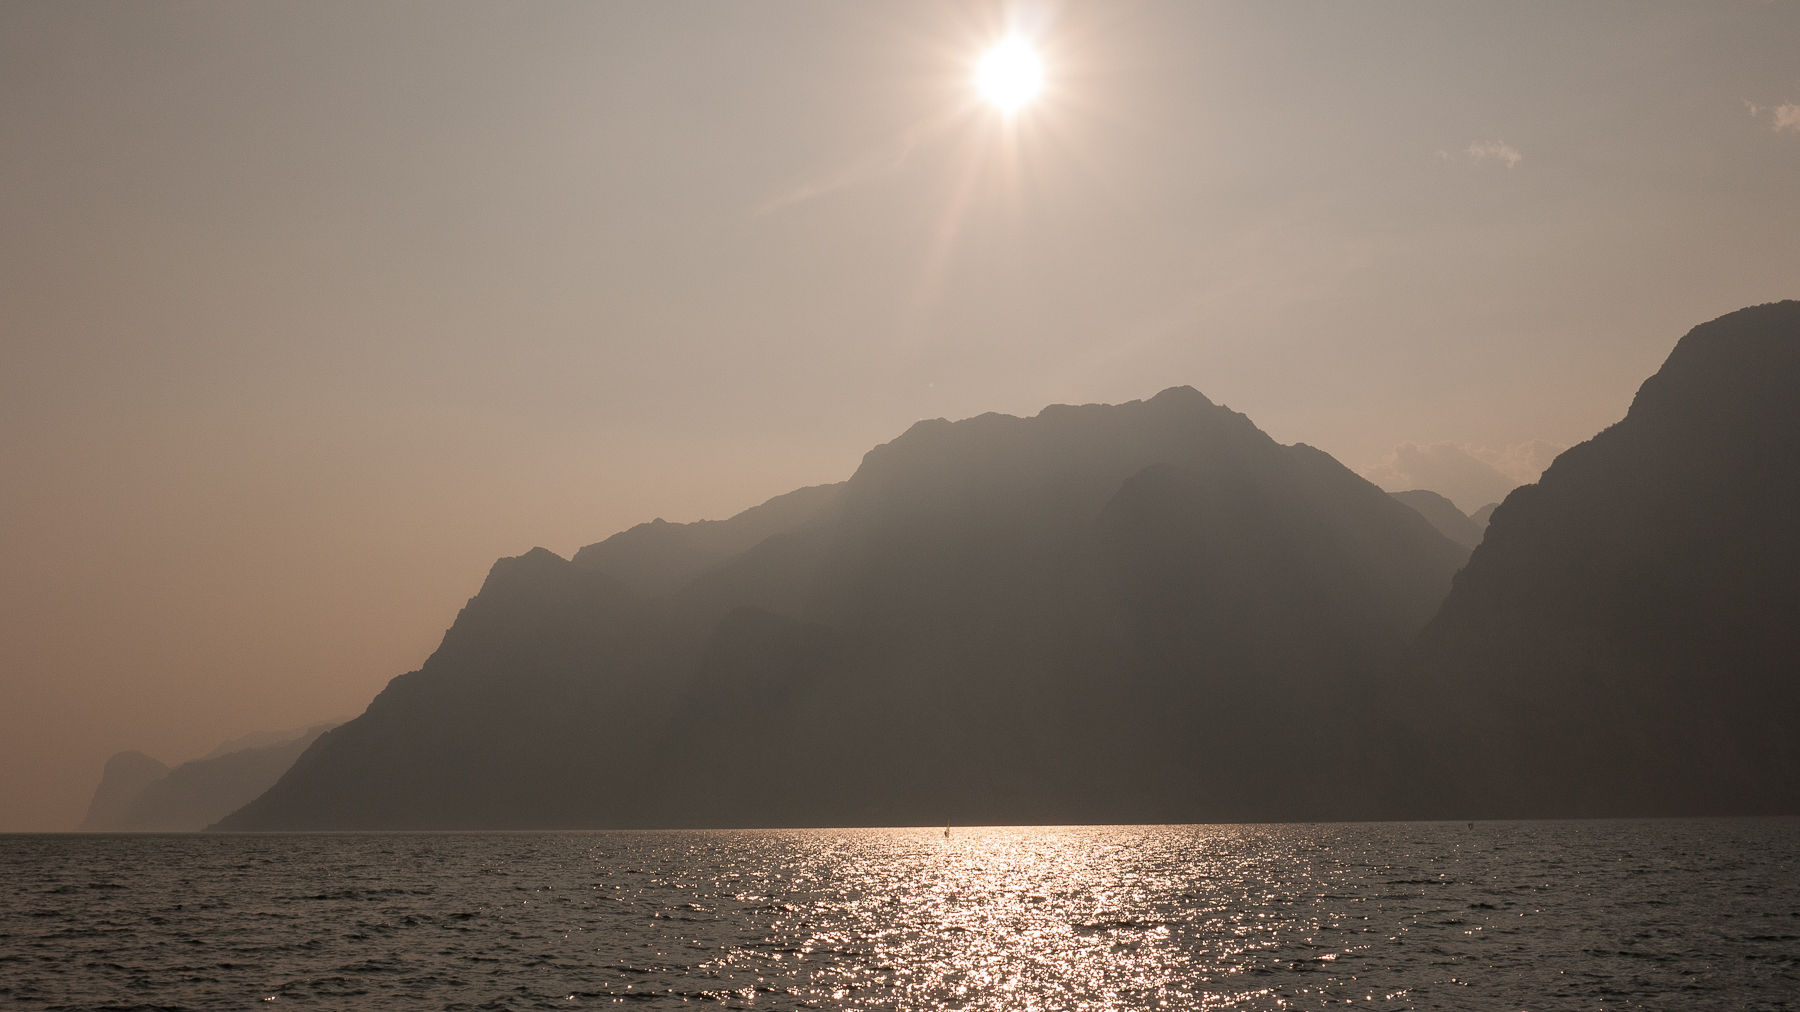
[1532,915]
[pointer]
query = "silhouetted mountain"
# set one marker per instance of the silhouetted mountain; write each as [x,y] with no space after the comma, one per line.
[657,558]
[1624,640]
[137,794]
[1483,515]
[1148,612]
[1443,514]
[1142,612]
[124,779]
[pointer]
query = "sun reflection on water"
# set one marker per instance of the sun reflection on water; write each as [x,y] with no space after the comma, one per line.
[1093,918]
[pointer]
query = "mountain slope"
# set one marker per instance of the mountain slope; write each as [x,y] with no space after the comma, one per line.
[266,739]
[1623,641]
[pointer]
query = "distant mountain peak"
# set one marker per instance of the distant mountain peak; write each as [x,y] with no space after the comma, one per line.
[1443,514]
[139,794]
[1182,395]
[126,776]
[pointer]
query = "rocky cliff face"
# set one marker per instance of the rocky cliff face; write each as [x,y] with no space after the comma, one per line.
[1624,640]
[1095,614]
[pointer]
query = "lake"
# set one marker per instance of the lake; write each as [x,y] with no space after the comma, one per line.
[1667,914]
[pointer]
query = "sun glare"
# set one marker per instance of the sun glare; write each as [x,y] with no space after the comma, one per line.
[1010,75]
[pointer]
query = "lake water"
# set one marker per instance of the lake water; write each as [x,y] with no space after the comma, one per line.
[1531,915]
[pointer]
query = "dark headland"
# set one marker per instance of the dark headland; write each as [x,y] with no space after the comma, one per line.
[1142,613]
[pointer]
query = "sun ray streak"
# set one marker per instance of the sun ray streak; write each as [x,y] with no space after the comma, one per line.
[935,268]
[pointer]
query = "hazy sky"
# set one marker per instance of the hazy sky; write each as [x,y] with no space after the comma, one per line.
[311,311]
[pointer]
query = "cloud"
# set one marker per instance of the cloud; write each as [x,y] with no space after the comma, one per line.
[1524,461]
[1469,476]
[1496,150]
[1783,117]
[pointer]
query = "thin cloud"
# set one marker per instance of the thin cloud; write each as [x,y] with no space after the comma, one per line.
[1470,476]
[1525,462]
[1782,117]
[1497,150]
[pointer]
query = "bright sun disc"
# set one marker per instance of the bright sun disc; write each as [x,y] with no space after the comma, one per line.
[1010,75]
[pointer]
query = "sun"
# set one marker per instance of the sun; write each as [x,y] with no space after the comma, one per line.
[1010,75]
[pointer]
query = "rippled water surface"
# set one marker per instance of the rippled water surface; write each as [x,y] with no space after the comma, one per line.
[1546,915]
